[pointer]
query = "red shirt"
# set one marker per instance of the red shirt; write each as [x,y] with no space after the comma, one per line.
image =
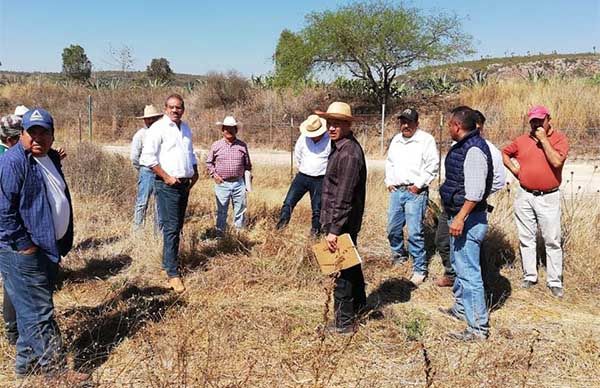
[228,160]
[535,171]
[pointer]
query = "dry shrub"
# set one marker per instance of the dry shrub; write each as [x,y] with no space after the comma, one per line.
[223,90]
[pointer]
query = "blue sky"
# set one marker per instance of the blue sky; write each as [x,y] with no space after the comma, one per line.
[200,36]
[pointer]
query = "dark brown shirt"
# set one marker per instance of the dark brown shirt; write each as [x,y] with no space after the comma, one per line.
[344,188]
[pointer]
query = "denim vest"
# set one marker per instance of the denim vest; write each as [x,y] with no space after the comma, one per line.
[453,189]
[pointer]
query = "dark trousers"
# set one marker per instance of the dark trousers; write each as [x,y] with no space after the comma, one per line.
[10,318]
[30,281]
[172,203]
[302,184]
[442,243]
[349,296]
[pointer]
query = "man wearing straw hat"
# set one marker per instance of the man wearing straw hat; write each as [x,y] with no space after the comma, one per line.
[343,205]
[169,152]
[227,163]
[541,155]
[145,183]
[311,153]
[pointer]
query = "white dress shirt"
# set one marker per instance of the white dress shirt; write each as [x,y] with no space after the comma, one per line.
[499,171]
[311,157]
[412,161]
[55,189]
[137,144]
[170,147]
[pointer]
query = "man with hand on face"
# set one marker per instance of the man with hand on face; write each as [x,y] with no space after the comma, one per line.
[412,164]
[343,204]
[541,155]
[169,151]
[469,177]
[36,229]
[227,162]
[311,153]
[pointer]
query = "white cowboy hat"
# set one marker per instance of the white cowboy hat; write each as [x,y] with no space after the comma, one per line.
[313,126]
[337,111]
[21,110]
[150,111]
[229,121]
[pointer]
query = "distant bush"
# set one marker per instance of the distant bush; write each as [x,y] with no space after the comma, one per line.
[159,69]
[223,90]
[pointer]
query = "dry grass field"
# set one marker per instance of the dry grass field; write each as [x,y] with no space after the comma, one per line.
[255,300]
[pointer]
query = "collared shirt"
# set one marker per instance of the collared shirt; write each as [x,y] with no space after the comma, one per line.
[413,160]
[344,188]
[137,144]
[25,210]
[228,160]
[3,149]
[311,157]
[170,147]
[499,171]
[475,170]
[535,172]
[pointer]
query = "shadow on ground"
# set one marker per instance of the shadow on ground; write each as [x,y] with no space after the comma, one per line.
[199,251]
[95,269]
[394,290]
[93,332]
[94,242]
[497,253]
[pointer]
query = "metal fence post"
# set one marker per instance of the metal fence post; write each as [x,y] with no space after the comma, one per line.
[90,117]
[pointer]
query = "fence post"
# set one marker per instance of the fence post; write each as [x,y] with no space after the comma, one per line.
[382,127]
[90,116]
[291,148]
[79,125]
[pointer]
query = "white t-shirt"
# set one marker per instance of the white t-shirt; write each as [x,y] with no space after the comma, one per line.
[55,189]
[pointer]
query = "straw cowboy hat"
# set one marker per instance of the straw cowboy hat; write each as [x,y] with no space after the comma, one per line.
[313,126]
[229,121]
[337,111]
[150,111]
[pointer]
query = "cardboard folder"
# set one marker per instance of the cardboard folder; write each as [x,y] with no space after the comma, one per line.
[345,257]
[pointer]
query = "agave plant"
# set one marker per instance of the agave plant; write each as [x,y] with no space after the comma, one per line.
[478,78]
[157,83]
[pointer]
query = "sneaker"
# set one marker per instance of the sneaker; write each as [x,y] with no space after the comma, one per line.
[398,259]
[528,284]
[557,292]
[281,224]
[332,328]
[176,284]
[444,281]
[451,313]
[467,336]
[417,279]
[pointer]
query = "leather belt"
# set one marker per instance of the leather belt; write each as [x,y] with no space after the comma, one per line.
[537,193]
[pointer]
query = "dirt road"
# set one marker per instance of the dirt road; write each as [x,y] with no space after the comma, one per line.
[579,177]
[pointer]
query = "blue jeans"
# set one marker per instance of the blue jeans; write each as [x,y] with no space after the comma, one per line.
[172,203]
[30,281]
[302,184]
[145,189]
[236,193]
[408,208]
[469,296]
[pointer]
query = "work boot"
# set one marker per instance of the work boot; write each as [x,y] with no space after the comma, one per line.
[528,284]
[282,223]
[557,292]
[176,284]
[467,336]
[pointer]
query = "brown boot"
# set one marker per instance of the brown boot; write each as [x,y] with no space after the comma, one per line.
[176,284]
[444,281]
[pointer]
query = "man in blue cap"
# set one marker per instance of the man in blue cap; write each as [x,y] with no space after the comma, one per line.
[36,229]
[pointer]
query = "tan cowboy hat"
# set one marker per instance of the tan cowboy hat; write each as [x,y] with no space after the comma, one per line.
[150,111]
[313,126]
[337,111]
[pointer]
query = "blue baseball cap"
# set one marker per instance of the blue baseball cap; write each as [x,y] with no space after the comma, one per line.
[38,117]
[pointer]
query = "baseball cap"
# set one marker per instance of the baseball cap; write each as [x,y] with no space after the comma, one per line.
[538,112]
[38,117]
[409,114]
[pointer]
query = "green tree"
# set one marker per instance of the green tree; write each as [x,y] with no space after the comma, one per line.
[159,69]
[293,60]
[76,64]
[376,41]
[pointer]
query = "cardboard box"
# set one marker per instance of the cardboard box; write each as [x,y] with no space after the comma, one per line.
[345,257]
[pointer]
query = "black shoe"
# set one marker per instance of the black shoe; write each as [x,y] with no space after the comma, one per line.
[398,260]
[347,330]
[528,284]
[468,336]
[451,313]
[282,224]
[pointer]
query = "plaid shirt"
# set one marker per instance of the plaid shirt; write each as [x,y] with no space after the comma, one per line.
[25,213]
[344,188]
[229,161]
